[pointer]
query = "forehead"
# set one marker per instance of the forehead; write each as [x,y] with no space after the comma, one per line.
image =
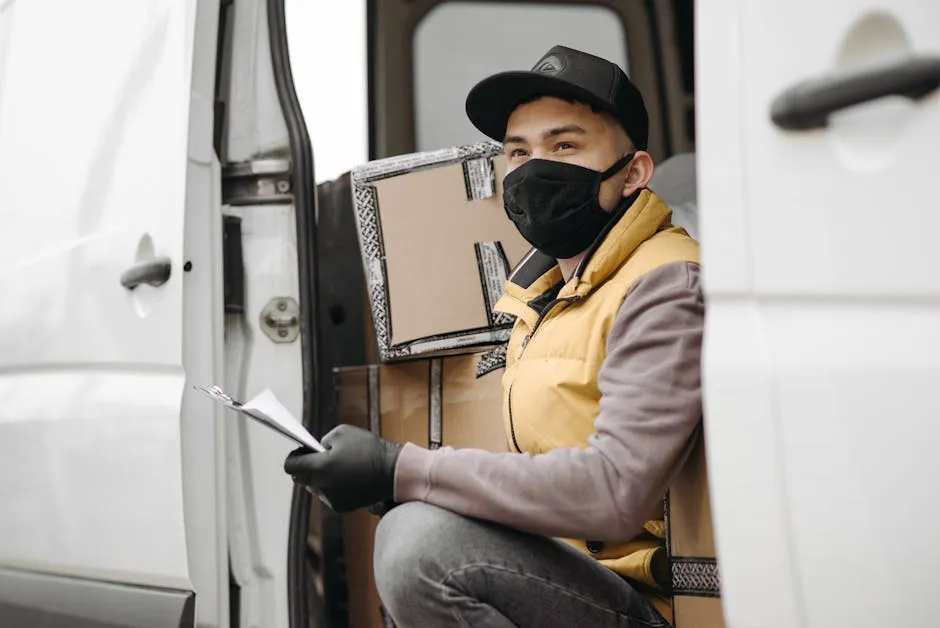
[531,120]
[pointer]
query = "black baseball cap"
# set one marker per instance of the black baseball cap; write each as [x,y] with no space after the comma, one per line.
[565,73]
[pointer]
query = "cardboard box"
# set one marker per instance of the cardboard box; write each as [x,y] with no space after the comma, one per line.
[436,249]
[429,402]
[696,600]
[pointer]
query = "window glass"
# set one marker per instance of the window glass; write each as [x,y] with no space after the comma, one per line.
[458,43]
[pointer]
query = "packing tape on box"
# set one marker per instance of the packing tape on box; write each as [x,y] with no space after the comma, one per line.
[373,396]
[479,179]
[493,266]
[696,577]
[492,360]
[436,403]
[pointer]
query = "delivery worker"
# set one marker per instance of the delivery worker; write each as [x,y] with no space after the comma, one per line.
[602,392]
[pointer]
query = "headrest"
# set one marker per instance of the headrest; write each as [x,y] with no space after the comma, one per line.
[674,182]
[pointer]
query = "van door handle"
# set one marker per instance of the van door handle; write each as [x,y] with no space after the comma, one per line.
[808,104]
[154,272]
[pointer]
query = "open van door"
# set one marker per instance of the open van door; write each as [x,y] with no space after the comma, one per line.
[818,127]
[110,311]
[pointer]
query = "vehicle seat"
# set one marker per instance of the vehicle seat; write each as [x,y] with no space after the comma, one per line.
[674,181]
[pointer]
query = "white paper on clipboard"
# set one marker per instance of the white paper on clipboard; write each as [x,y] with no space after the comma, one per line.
[267,410]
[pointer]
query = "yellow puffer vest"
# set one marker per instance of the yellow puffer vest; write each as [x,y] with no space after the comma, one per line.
[550,394]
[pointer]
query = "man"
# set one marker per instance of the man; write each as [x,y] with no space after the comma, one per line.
[601,390]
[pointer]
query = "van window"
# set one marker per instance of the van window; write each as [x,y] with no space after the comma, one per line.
[458,43]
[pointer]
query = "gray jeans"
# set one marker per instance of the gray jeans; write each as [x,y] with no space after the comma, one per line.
[436,569]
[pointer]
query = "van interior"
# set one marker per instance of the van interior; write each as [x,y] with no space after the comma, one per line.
[200,231]
[423,56]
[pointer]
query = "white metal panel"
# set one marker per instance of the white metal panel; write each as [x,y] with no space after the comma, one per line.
[90,474]
[726,250]
[749,501]
[856,388]
[7,12]
[258,491]
[823,302]
[849,208]
[259,497]
[254,127]
[202,447]
[94,120]
[748,497]
[844,230]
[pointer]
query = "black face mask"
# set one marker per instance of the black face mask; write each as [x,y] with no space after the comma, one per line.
[555,205]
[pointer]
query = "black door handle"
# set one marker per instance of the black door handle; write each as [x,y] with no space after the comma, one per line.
[154,271]
[807,105]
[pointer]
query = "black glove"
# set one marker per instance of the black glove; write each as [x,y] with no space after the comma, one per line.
[356,470]
[380,509]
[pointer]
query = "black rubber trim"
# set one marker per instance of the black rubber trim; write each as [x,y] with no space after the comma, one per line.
[372,30]
[233,266]
[219,105]
[303,185]
[808,104]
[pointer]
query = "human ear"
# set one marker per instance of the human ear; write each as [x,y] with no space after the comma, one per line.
[639,173]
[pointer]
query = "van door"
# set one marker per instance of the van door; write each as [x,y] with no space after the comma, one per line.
[107,315]
[817,151]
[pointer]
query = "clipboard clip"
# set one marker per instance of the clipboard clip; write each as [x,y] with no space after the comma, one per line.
[217,393]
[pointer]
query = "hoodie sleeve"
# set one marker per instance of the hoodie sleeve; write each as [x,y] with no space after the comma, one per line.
[650,406]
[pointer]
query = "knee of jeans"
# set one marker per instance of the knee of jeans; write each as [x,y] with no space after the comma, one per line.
[411,544]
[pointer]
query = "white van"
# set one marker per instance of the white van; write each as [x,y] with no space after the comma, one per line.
[159,228]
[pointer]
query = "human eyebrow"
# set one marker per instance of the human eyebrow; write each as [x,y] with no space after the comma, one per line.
[514,139]
[563,130]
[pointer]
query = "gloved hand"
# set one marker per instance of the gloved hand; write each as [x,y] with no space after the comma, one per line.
[357,470]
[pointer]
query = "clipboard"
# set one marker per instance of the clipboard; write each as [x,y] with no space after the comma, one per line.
[268,411]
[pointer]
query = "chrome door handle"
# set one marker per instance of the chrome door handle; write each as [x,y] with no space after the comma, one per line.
[154,272]
[808,104]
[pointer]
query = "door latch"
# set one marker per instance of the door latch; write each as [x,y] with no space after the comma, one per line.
[280,319]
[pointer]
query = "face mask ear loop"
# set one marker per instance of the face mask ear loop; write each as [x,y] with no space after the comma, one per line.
[618,166]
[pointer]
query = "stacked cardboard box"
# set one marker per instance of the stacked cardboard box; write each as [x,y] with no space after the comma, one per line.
[436,402]
[436,248]
[695,579]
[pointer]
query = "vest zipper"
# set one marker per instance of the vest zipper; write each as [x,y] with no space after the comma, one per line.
[525,343]
[548,308]
[512,428]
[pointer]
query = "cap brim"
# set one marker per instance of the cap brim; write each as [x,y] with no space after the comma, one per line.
[492,100]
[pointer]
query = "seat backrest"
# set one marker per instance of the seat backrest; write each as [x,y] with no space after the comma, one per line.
[674,182]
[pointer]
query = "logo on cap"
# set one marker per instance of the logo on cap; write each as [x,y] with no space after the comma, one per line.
[551,64]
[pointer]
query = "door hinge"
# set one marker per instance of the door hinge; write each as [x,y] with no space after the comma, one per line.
[257,182]
[280,319]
